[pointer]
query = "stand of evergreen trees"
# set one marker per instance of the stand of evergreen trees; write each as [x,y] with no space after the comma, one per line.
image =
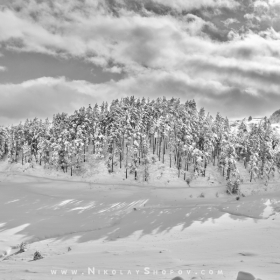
[126,134]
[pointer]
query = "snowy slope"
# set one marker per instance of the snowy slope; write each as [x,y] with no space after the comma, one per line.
[126,227]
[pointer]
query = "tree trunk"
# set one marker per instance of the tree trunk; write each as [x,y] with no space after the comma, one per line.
[123,148]
[84,152]
[179,165]
[159,149]
[126,161]
[185,167]
[16,154]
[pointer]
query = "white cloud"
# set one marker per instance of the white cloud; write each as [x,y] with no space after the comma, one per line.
[41,98]
[274,2]
[162,55]
[231,94]
[96,35]
[197,4]
[129,41]
[230,21]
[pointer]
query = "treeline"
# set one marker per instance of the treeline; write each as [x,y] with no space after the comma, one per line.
[130,133]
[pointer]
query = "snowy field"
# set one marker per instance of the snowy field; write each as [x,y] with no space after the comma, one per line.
[140,140]
[120,229]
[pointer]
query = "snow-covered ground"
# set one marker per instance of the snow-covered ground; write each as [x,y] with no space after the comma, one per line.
[110,224]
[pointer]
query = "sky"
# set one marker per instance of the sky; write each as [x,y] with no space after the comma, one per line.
[57,56]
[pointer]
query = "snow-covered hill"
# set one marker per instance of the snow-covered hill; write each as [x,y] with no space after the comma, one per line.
[78,223]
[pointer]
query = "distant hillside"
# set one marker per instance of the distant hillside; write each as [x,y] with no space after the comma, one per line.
[275,117]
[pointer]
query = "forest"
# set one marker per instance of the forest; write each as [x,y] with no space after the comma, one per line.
[132,133]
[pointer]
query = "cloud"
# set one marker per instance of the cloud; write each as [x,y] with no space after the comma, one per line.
[274,2]
[171,53]
[39,98]
[46,96]
[91,31]
[190,5]
[263,14]
[2,68]
[230,21]
[128,42]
